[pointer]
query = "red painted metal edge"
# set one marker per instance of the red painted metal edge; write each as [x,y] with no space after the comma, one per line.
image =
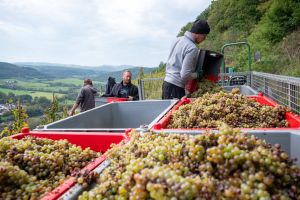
[60,190]
[116,99]
[263,100]
[162,123]
[77,137]
[293,120]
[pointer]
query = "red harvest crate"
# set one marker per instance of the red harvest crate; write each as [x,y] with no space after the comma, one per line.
[97,141]
[293,120]
[116,99]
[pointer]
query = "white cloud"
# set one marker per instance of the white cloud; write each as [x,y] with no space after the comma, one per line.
[92,32]
[10,29]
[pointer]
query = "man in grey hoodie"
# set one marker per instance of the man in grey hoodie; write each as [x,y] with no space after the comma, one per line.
[85,98]
[182,61]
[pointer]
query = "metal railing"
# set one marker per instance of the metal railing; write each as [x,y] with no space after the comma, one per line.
[284,90]
[150,88]
[235,78]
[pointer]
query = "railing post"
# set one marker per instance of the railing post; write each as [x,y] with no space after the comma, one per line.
[140,89]
[289,96]
[235,44]
[143,89]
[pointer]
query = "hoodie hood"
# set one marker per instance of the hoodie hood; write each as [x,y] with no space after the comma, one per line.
[94,91]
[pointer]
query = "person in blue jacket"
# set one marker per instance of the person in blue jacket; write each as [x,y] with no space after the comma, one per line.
[182,61]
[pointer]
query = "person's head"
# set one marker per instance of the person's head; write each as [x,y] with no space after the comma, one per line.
[126,77]
[87,82]
[199,30]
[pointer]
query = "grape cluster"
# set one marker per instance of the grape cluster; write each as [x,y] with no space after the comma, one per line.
[206,86]
[228,165]
[33,166]
[234,109]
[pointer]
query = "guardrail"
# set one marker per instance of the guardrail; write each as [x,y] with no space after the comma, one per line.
[284,90]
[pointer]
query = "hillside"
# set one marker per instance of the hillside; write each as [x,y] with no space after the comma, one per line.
[118,74]
[272,28]
[9,70]
[58,71]
[62,71]
[103,68]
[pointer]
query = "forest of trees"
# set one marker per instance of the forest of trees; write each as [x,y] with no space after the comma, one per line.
[271,27]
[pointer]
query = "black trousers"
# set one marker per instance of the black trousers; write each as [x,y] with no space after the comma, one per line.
[171,91]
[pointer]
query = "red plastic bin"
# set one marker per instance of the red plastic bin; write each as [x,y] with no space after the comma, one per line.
[293,120]
[116,99]
[213,78]
[97,141]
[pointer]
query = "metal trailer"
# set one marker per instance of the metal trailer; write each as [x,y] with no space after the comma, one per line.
[114,117]
[288,140]
[97,141]
[99,101]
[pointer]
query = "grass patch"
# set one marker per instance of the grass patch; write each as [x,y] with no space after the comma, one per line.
[27,84]
[31,93]
[75,81]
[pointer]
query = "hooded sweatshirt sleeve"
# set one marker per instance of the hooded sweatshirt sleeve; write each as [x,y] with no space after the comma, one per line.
[189,65]
[80,96]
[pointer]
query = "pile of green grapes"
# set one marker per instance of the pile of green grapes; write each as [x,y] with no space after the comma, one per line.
[234,109]
[33,166]
[206,86]
[228,165]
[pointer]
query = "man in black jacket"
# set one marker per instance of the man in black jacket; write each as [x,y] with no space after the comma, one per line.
[125,89]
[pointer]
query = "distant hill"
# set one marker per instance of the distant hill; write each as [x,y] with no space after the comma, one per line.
[105,68]
[100,73]
[118,74]
[111,68]
[62,71]
[8,70]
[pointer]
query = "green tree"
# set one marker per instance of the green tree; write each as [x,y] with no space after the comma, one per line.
[26,98]
[282,18]
[55,112]
[20,121]
[52,113]
[3,98]
[42,101]
[141,73]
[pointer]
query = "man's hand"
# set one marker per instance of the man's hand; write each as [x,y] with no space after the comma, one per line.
[197,75]
[73,109]
[188,94]
[130,98]
[71,113]
[194,75]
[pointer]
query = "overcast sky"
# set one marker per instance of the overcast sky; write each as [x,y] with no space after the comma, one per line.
[93,32]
